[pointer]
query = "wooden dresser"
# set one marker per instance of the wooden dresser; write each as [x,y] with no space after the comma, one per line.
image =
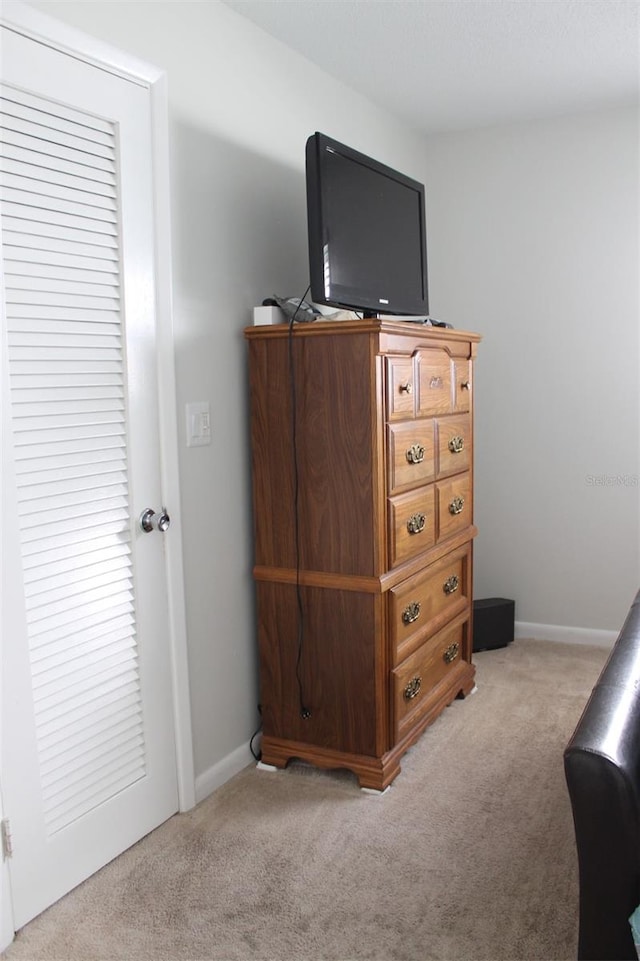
[362,457]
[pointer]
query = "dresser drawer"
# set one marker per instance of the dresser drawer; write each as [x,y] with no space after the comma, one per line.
[400,388]
[462,385]
[416,677]
[426,602]
[455,506]
[434,378]
[412,527]
[411,454]
[453,444]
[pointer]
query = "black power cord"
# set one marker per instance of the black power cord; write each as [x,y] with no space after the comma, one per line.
[305,711]
[257,754]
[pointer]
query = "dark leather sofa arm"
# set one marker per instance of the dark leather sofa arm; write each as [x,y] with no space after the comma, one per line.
[602,769]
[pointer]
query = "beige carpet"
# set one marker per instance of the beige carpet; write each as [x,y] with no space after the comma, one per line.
[469,855]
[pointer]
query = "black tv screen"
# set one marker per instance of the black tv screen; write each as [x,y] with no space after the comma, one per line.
[366,227]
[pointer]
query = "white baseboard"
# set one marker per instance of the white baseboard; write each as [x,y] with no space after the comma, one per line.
[566,635]
[223,771]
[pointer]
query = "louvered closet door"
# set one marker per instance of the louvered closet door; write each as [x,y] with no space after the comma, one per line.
[88,756]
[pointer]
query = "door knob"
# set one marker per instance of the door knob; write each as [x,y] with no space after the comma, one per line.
[150,521]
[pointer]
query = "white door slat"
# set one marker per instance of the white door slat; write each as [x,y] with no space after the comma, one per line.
[55,368]
[54,134]
[48,248]
[82,409]
[94,759]
[98,618]
[37,470]
[64,805]
[42,590]
[45,550]
[90,606]
[37,576]
[60,795]
[56,168]
[92,741]
[91,800]
[68,651]
[115,519]
[42,514]
[15,199]
[62,725]
[70,583]
[49,380]
[77,485]
[28,270]
[52,312]
[62,113]
[58,181]
[29,397]
[67,435]
[81,672]
[93,732]
[87,300]
[21,220]
[92,639]
[84,768]
[68,554]
[95,336]
[57,214]
[40,509]
[16,176]
[67,353]
[62,447]
[66,702]
[79,283]
[76,423]
[28,145]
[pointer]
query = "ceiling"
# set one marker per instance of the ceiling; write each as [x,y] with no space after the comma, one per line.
[456,64]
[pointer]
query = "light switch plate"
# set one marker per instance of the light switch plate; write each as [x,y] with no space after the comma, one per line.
[198,423]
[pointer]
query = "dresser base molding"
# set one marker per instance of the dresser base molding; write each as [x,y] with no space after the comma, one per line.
[375,773]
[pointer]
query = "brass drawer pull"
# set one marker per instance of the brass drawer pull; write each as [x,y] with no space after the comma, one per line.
[415,524]
[456,444]
[451,584]
[451,652]
[465,385]
[415,454]
[413,688]
[411,613]
[456,505]
[406,388]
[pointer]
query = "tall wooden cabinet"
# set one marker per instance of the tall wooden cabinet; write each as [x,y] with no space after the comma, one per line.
[362,457]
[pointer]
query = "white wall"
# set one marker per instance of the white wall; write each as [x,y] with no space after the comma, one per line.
[533,241]
[241,109]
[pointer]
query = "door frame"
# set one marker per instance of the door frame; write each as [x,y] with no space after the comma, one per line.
[45,29]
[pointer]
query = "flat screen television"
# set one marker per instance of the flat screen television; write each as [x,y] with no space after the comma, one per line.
[366,230]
